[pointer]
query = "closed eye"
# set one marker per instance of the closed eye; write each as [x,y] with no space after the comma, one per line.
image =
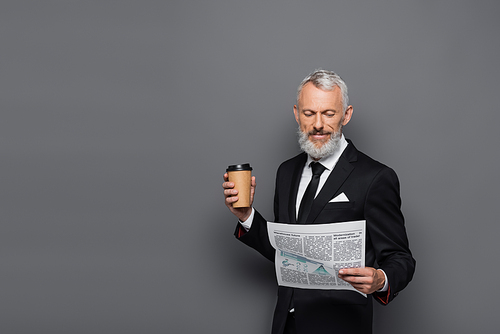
[309,113]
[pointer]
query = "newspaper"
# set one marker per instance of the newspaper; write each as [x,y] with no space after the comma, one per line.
[310,256]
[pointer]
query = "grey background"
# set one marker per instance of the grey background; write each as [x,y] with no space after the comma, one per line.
[119,119]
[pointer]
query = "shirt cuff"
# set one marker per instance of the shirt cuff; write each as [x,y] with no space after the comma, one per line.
[247,224]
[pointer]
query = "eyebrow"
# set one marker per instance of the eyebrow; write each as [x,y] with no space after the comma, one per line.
[326,110]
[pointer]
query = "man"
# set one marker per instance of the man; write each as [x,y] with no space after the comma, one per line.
[367,190]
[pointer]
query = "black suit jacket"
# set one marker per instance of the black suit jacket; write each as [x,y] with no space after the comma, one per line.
[373,192]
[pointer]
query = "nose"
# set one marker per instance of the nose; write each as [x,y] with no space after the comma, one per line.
[318,122]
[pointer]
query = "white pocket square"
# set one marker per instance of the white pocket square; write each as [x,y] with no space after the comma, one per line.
[339,198]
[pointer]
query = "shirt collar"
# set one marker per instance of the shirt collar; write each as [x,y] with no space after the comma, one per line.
[330,161]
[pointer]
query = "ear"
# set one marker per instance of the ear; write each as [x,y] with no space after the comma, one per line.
[296,113]
[347,115]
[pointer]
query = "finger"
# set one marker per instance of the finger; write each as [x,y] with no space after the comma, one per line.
[230,192]
[350,271]
[228,185]
[356,271]
[226,177]
[231,199]
[365,288]
[357,279]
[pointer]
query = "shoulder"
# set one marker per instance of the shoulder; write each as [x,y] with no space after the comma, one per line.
[292,163]
[366,160]
[368,165]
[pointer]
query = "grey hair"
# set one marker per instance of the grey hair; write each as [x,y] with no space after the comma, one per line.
[326,80]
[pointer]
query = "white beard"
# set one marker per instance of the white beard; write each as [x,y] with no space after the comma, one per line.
[328,148]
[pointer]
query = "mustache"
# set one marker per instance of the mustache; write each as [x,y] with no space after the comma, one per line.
[316,132]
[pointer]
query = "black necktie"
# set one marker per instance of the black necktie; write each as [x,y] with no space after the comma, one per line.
[307,200]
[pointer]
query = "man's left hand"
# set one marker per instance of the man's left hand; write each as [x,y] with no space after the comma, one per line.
[366,280]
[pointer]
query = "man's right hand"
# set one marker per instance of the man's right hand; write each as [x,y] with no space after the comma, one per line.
[231,196]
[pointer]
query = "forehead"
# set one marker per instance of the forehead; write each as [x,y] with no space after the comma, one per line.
[313,97]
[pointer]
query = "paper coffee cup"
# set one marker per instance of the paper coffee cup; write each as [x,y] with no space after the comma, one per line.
[241,176]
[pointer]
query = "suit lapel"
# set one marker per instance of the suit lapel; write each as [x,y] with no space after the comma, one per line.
[337,177]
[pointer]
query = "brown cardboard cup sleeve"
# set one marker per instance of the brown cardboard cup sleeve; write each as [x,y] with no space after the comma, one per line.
[241,176]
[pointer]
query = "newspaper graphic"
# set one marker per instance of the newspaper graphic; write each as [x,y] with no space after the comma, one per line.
[310,256]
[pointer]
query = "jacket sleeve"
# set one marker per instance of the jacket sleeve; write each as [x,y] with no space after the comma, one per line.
[385,225]
[256,237]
